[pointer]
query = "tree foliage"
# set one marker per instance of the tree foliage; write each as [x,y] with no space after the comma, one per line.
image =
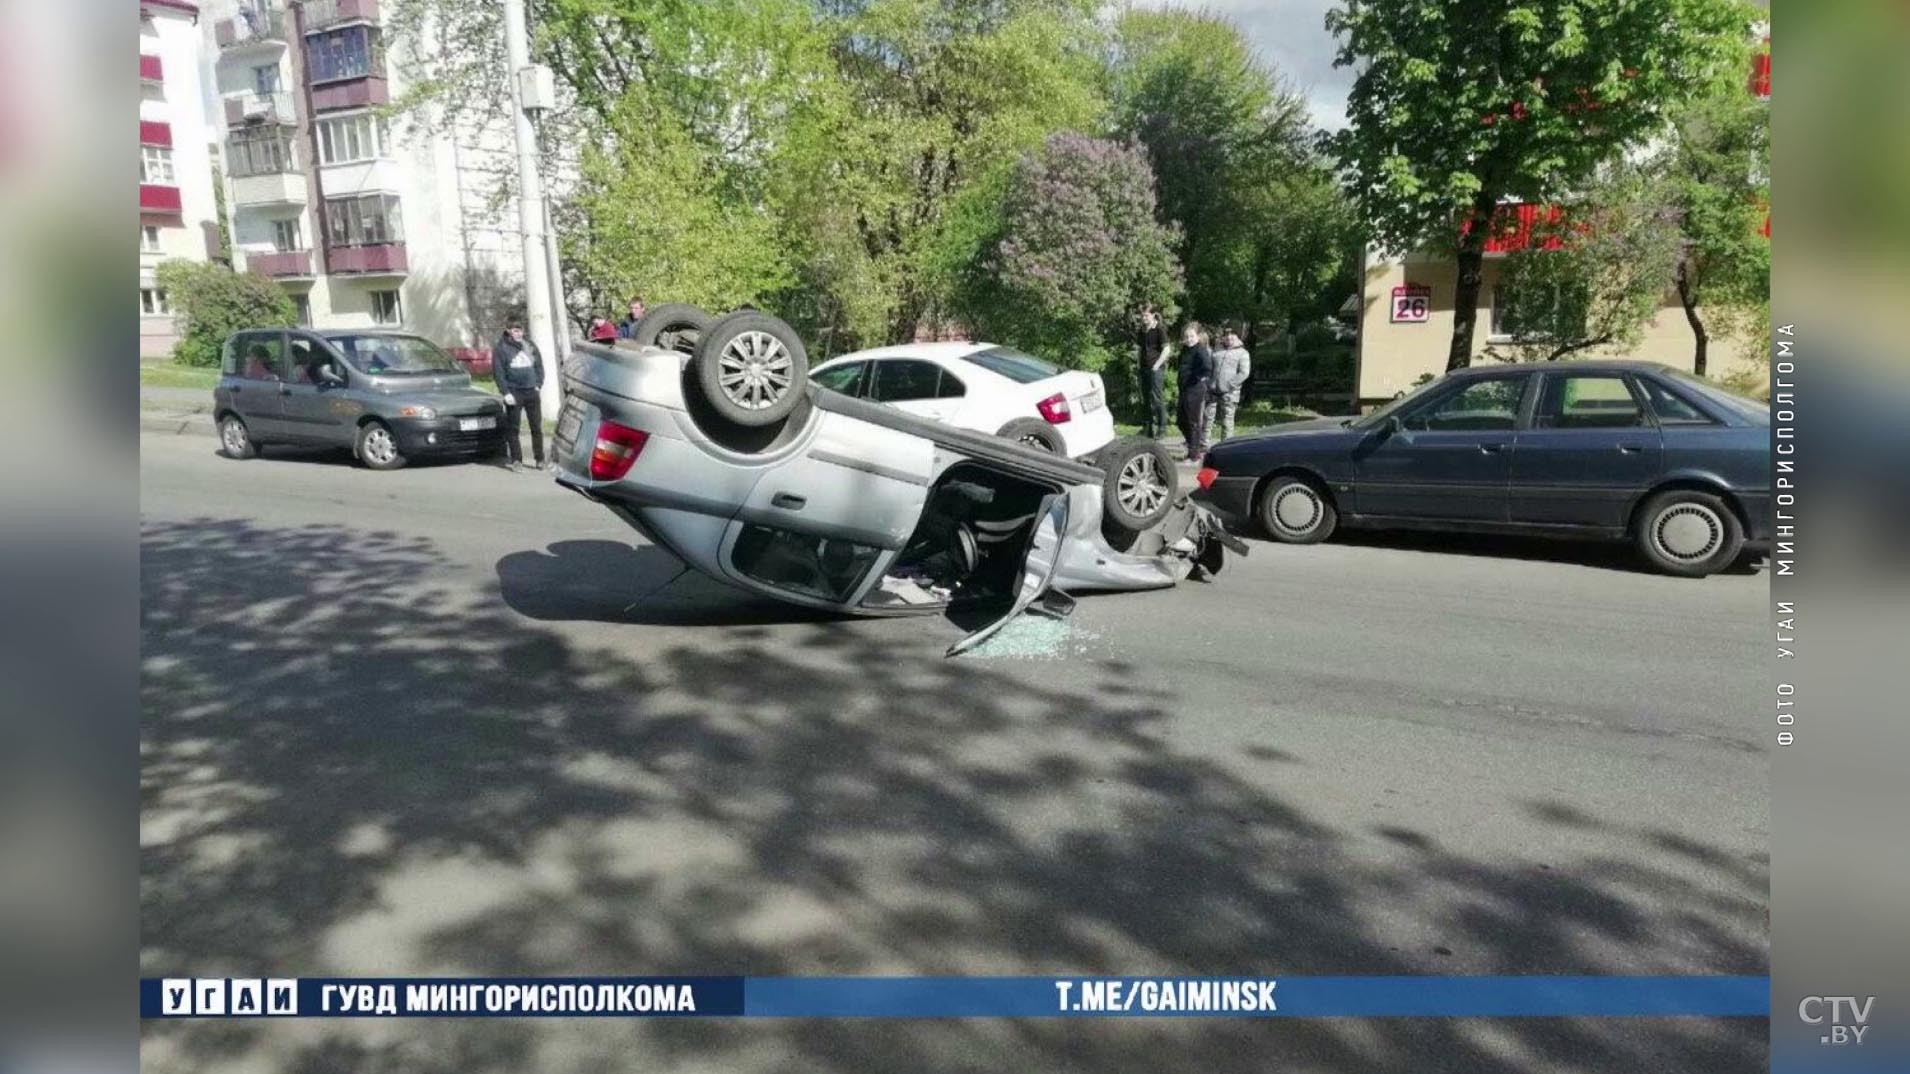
[1596,275]
[1458,106]
[210,302]
[1078,249]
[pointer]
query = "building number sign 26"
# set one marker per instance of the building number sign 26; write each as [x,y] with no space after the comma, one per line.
[1412,304]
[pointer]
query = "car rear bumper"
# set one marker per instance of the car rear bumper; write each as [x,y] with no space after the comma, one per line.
[1087,433]
[1233,495]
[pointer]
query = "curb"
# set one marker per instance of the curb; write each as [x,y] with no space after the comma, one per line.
[160,421]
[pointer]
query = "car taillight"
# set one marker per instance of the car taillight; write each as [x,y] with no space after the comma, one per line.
[617,448]
[1054,409]
[1205,479]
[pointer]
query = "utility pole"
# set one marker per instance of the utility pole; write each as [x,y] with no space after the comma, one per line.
[530,201]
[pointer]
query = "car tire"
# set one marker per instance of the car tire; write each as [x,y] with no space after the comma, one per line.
[1688,533]
[1296,511]
[674,326]
[1139,483]
[752,368]
[377,446]
[1034,433]
[235,440]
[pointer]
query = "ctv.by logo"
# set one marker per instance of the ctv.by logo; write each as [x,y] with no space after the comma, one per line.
[1847,1017]
[227,996]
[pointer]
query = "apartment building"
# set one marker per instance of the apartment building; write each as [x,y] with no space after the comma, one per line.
[1407,305]
[366,220]
[178,216]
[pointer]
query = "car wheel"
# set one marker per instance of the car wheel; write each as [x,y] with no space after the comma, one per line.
[1688,533]
[235,441]
[752,368]
[1294,510]
[378,447]
[674,326]
[1140,482]
[1034,433]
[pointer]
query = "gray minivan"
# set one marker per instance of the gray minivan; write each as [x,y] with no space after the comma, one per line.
[388,396]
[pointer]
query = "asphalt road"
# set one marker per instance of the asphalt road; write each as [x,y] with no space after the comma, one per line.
[454,720]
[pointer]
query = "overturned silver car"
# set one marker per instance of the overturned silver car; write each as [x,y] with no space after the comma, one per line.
[707,437]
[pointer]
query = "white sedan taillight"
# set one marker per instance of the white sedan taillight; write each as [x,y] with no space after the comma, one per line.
[1054,409]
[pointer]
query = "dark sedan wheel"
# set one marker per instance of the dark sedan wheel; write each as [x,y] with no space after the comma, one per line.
[235,442]
[1294,510]
[1688,533]
[378,446]
[752,367]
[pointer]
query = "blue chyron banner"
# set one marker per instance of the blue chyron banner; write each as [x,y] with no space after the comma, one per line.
[955,997]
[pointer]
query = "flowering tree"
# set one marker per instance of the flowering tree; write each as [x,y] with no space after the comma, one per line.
[1076,251]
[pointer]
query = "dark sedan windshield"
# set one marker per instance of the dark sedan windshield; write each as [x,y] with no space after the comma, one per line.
[1376,417]
[393,354]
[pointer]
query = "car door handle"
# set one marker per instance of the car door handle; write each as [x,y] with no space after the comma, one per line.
[788,501]
[1631,449]
[1491,449]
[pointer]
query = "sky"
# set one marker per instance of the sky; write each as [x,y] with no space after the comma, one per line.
[1291,36]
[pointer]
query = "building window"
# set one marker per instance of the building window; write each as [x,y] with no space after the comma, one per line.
[152,302]
[302,310]
[351,52]
[286,237]
[155,164]
[265,79]
[261,151]
[149,239]
[370,220]
[353,138]
[385,308]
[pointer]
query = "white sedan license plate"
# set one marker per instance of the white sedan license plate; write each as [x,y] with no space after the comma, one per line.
[471,425]
[1092,401]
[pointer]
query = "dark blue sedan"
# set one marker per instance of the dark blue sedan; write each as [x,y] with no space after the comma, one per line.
[1617,450]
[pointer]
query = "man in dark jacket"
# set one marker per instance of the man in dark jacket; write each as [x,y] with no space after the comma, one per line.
[518,369]
[1153,345]
[1196,373]
[627,328]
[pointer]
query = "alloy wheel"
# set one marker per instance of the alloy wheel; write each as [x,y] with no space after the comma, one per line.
[754,370]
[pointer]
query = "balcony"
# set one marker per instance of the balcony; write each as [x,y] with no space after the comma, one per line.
[385,259]
[281,264]
[325,14]
[271,189]
[262,30]
[243,109]
[151,71]
[160,198]
[355,93]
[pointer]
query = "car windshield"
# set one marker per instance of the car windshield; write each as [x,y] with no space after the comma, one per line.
[1016,366]
[1742,405]
[1374,419]
[393,354]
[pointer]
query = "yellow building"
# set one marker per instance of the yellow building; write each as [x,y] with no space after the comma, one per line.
[1406,327]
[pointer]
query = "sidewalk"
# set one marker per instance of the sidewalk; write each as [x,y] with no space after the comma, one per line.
[176,410]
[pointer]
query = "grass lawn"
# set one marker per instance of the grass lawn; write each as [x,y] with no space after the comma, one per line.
[174,375]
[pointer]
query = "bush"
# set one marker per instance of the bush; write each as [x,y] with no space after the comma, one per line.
[212,302]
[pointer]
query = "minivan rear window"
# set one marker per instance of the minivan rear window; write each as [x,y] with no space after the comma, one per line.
[1016,366]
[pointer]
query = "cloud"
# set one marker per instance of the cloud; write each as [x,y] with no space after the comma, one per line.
[1291,36]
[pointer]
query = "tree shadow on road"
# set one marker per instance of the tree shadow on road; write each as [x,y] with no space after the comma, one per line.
[348,769]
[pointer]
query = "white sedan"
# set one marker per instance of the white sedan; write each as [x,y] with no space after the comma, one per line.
[983,387]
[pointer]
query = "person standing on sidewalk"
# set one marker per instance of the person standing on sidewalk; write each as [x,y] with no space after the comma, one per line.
[1232,368]
[1196,372]
[1153,371]
[518,369]
[627,328]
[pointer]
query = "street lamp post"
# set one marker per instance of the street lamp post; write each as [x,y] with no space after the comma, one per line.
[525,95]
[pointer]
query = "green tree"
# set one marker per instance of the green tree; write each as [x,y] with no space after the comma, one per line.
[210,302]
[1459,106]
[1717,167]
[1229,146]
[1595,275]
[1078,250]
